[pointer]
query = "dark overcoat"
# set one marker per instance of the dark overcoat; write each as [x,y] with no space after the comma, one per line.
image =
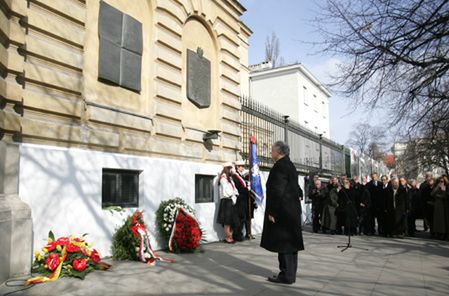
[283,203]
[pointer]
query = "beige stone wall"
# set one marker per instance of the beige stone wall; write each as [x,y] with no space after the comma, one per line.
[50,92]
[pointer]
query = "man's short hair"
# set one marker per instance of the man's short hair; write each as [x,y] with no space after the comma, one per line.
[282,147]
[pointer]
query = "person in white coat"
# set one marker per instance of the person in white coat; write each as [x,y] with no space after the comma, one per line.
[228,198]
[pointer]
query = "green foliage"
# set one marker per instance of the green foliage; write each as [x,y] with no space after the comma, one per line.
[124,244]
[51,236]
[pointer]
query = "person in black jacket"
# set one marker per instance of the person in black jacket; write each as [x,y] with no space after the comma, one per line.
[282,231]
[318,195]
[346,209]
[395,209]
[377,204]
[241,206]
[428,201]
[415,208]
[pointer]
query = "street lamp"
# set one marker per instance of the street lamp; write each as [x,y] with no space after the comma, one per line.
[286,128]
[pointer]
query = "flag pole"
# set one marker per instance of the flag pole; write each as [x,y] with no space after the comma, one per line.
[250,234]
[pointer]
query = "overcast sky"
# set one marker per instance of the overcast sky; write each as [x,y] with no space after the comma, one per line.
[292,21]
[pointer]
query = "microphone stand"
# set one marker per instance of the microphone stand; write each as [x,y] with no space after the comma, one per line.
[348,223]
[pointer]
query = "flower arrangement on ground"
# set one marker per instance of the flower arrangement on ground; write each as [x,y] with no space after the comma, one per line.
[131,241]
[177,224]
[65,257]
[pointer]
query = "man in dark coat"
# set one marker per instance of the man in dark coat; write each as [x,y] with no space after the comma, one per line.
[428,201]
[346,210]
[395,209]
[377,204]
[318,195]
[415,206]
[282,231]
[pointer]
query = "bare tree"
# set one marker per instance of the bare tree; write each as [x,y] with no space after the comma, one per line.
[395,53]
[272,49]
[367,139]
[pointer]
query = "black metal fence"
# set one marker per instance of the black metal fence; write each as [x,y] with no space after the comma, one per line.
[269,126]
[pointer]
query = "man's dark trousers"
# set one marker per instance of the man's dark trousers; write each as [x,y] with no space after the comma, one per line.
[288,265]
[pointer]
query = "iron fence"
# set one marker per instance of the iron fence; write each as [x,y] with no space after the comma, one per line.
[269,126]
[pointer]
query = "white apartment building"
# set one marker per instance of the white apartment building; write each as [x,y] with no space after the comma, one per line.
[294,91]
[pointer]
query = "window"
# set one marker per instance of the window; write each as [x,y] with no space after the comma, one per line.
[120,53]
[120,188]
[306,99]
[315,104]
[204,188]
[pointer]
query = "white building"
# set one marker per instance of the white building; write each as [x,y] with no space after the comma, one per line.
[294,91]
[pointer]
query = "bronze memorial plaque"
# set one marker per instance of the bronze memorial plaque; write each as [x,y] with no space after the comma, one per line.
[198,78]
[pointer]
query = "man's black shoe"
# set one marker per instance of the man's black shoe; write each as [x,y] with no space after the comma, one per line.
[278,280]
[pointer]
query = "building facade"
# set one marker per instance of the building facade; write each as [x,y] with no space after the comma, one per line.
[118,102]
[292,90]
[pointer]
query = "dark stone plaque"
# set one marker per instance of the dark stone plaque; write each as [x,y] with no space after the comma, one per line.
[110,23]
[130,70]
[132,34]
[120,52]
[198,78]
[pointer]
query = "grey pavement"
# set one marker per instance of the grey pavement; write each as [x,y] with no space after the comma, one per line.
[411,266]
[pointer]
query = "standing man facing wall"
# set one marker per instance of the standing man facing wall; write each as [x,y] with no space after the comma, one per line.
[282,224]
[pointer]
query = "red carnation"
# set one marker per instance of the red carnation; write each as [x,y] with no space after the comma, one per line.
[79,264]
[52,261]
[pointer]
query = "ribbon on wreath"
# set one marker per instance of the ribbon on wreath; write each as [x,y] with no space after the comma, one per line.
[144,243]
[54,276]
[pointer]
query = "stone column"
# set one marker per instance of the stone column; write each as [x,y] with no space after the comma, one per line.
[15,218]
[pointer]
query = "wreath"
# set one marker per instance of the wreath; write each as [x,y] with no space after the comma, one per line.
[176,222]
[131,241]
[65,257]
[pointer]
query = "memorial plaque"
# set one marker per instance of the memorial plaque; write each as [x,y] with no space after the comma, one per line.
[121,46]
[198,78]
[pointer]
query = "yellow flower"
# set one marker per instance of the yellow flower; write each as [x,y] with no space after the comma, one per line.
[39,257]
[37,253]
[58,247]
[45,250]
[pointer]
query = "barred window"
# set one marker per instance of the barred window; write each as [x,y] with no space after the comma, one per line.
[120,188]
[204,188]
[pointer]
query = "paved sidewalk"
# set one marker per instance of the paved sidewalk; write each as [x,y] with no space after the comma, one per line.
[389,267]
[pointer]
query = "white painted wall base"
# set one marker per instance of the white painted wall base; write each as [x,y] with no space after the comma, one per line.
[63,188]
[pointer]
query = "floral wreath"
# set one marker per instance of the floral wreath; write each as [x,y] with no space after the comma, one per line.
[179,228]
[65,257]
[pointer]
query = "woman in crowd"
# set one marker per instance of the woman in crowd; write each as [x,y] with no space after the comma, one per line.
[228,197]
[440,213]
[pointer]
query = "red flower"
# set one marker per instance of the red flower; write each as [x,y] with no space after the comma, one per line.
[72,248]
[79,264]
[95,256]
[52,261]
[50,246]
[63,241]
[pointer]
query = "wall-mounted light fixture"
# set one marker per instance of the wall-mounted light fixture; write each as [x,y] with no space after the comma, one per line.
[211,135]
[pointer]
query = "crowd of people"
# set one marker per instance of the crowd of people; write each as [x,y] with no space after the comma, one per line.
[387,207]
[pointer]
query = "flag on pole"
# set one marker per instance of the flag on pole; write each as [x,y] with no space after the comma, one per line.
[256,183]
